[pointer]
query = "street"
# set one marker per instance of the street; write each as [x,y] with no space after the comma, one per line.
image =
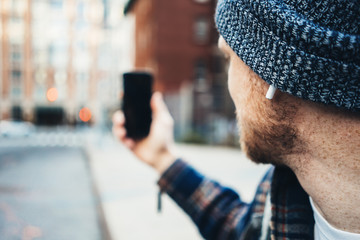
[46,192]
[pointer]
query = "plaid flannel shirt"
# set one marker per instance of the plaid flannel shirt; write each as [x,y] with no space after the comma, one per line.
[219,212]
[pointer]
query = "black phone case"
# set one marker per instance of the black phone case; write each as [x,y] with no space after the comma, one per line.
[136,104]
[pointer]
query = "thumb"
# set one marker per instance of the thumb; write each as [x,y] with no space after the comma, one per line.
[157,103]
[159,107]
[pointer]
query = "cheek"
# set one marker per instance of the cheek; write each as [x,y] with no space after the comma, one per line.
[234,78]
[239,86]
[231,81]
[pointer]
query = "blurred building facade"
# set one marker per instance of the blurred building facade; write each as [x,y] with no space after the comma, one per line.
[75,48]
[177,40]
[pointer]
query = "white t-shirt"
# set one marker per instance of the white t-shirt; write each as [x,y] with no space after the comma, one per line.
[324,231]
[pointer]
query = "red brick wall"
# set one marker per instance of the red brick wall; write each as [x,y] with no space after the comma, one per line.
[165,39]
[144,44]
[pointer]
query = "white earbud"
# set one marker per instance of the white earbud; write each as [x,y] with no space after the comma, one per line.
[271,92]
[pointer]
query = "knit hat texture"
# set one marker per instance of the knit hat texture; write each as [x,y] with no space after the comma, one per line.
[308,48]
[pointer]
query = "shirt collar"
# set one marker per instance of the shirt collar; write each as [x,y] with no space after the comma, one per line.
[292,216]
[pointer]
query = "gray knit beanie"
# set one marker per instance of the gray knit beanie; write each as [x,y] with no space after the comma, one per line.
[308,48]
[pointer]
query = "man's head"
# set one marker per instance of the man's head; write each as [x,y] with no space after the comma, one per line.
[267,127]
[272,131]
[286,44]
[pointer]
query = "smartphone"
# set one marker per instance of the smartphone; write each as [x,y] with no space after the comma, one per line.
[136,104]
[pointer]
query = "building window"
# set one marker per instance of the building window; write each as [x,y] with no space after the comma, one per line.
[16,84]
[16,74]
[16,19]
[16,93]
[56,3]
[16,56]
[200,76]
[201,30]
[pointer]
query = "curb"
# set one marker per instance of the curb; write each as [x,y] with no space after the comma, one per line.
[102,221]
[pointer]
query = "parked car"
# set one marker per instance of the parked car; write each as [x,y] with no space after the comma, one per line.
[16,128]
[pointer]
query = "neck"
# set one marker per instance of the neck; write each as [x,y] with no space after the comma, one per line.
[335,192]
[330,172]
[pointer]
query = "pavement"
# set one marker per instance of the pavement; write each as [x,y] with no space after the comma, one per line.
[127,189]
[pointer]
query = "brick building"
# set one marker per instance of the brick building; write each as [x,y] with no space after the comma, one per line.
[177,40]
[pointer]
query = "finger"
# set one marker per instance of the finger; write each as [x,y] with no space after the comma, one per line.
[160,110]
[120,133]
[118,118]
[129,143]
[158,105]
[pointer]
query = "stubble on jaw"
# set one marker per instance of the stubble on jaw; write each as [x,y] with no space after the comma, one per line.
[270,135]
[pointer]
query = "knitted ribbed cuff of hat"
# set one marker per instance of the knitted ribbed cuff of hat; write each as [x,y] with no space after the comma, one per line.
[310,49]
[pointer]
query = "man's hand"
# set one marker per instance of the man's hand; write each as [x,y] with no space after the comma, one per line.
[157,148]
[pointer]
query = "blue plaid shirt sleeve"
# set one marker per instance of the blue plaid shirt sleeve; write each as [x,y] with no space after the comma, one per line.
[218,211]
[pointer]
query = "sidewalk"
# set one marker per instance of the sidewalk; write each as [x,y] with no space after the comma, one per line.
[128,191]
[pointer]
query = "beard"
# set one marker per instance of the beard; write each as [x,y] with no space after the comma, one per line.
[271,137]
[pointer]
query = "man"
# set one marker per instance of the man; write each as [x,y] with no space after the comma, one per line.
[309,51]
